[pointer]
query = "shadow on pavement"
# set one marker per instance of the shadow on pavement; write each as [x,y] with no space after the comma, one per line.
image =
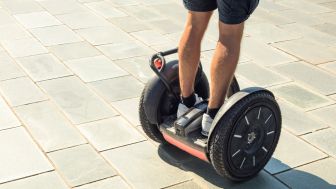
[207,177]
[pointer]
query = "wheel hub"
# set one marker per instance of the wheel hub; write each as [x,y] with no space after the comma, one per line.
[251,137]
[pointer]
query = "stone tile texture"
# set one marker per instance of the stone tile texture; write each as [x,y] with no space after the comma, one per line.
[72,71]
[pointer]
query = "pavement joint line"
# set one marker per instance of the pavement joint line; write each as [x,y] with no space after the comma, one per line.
[125,145]
[293,168]
[176,184]
[320,107]
[66,148]
[21,178]
[30,103]
[91,182]
[5,129]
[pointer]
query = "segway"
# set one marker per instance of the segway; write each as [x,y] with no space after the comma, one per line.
[243,135]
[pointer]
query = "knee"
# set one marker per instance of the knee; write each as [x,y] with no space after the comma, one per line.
[228,48]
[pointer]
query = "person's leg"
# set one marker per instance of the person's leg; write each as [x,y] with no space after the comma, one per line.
[190,48]
[224,62]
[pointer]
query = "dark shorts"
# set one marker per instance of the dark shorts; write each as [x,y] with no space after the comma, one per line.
[230,11]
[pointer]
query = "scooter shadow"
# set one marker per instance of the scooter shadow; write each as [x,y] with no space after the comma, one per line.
[206,177]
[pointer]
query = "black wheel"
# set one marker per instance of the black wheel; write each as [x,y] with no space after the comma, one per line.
[167,105]
[247,136]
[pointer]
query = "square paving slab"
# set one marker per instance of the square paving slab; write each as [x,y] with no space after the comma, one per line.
[110,133]
[318,79]
[324,140]
[326,114]
[95,68]
[7,117]
[292,152]
[76,50]
[110,183]
[37,19]
[119,88]
[24,47]
[43,67]
[320,174]
[20,156]
[48,126]
[81,165]
[78,102]
[21,91]
[8,68]
[143,168]
[50,180]
[297,121]
[302,97]
[129,109]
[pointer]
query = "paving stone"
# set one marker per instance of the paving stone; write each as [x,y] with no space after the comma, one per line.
[309,75]
[298,16]
[292,152]
[205,176]
[273,6]
[82,20]
[189,185]
[324,140]
[22,6]
[115,182]
[71,51]
[81,165]
[171,10]
[269,33]
[55,7]
[118,3]
[20,156]
[319,174]
[312,52]
[251,72]
[6,18]
[142,12]
[37,19]
[104,35]
[138,67]
[76,100]
[48,180]
[95,68]
[125,50]
[310,34]
[43,67]
[327,114]
[7,118]
[13,31]
[301,97]
[48,126]
[105,9]
[24,47]
[331,67]
[55,35]
[8,68]
[271,17]
[310,8]
[150,37]
[21,91]
[122,87]
[110,133]
[297,121]
[264,54]
[129,109]
[164,28]
[143,167]
[327,28]
[129,24]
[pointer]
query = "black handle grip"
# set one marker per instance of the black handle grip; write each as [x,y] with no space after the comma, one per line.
[169,52]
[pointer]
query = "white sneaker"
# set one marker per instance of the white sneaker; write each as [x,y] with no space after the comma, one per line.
[206,124]
[182,109]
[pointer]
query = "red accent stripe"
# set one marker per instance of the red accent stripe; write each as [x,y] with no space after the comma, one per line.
[201,155]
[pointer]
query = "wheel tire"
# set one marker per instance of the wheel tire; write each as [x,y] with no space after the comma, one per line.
[222,137]
[152,130]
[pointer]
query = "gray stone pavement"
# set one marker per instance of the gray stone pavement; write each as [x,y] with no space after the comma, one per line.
[71,72]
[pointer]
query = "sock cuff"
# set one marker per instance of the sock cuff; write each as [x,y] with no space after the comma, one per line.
[189,101]
[212,112]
